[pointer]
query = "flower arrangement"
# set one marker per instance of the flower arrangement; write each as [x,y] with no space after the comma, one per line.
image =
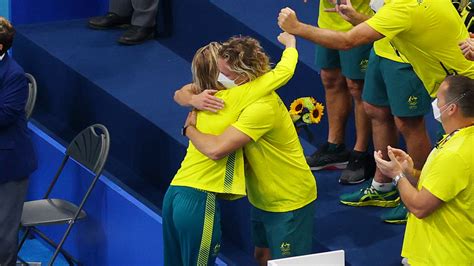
[305,111]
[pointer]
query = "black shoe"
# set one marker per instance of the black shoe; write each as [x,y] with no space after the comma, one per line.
[361,167]
[329,157]
[137,35]
[111,20]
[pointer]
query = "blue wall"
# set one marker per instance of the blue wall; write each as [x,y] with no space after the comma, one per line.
[33,11]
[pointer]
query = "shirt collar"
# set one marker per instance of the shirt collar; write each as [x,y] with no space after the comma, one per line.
[2,56]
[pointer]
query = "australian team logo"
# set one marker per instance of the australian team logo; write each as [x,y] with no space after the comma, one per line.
[216,250]
[412,102]
[285,249]
[363,65]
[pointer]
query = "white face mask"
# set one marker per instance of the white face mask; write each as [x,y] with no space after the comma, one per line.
[225,81]
[436,111]
[376,4]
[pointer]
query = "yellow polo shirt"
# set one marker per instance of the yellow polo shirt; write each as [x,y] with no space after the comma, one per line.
[278,177]
[446,237]
[427,32]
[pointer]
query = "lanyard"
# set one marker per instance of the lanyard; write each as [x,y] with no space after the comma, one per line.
[440,143]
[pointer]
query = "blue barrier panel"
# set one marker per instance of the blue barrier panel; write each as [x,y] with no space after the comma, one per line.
[119,229]
[33,11]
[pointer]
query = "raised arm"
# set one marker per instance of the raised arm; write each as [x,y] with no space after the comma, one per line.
[251,91]
[359,35]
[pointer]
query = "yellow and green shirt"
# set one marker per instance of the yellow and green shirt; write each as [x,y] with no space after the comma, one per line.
[385,49]
[333,21]
[278,177]
[446,237]
[427,32]
[226,175]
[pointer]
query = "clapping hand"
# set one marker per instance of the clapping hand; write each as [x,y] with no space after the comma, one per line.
[345,10]
[400,162]
[467,47]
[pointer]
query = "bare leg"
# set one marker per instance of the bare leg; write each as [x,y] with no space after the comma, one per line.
[384,133]
[262,255]
[416,137]
[362,121]
[338,103]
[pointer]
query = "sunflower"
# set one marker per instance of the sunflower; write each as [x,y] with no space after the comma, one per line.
[297,106]
[316,114]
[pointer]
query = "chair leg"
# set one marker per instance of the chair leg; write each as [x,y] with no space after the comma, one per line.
[69,258]
[23,239]
[58,249]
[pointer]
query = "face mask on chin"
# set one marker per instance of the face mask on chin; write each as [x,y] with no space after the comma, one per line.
[225,81]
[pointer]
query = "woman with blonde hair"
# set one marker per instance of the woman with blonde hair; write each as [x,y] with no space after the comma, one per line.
[191,214]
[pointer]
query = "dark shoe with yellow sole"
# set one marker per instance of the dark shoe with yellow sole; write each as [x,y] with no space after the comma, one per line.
[369,196]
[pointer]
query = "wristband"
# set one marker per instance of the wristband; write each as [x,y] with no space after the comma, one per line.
[183,130]
[397,178]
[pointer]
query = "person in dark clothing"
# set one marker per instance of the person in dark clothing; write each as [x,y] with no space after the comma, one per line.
[17,156]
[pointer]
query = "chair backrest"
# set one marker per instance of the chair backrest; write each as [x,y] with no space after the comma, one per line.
[332,258]
[32,91]
[91,147]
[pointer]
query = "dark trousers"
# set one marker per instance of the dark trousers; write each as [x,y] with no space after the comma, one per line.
[143,12]
[12,196]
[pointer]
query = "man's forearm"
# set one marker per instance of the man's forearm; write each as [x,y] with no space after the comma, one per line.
[359,35]
[358,18]
[183,97]
[207,144]
[327,38]
[411,197]
[413,177]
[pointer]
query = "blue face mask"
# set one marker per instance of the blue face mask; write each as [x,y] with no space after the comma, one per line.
[225,81]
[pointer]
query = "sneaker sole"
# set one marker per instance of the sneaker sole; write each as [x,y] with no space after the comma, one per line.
[332,166]
[377,203]
[341,181]
[396,221]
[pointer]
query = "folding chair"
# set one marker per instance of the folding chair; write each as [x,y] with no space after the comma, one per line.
[30,103]
[90,149]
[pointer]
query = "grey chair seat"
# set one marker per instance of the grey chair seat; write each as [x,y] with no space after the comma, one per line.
[49,211]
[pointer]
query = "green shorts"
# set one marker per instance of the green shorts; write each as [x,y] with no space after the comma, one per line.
[395,85]
[191,227]
[353,62]
[286,234]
